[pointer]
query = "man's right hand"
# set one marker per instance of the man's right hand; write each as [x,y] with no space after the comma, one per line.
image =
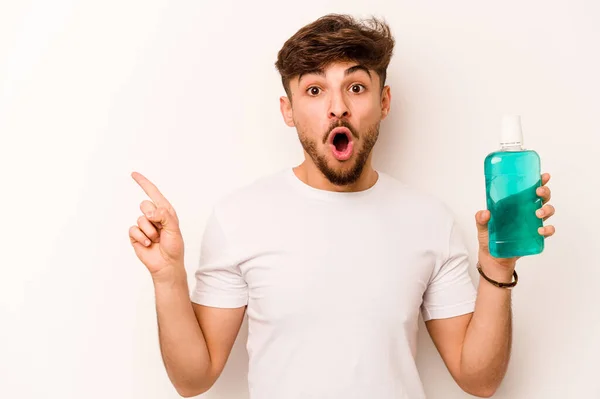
[156,238]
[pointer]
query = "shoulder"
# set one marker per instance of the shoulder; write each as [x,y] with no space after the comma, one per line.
[252,197]
[422,216]
[426,204]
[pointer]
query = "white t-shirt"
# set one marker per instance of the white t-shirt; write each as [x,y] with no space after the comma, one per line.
[334,283]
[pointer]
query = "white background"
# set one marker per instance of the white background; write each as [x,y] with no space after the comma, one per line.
[187,93]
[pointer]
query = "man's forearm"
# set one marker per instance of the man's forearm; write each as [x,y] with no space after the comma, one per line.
[486,349]
[182,344]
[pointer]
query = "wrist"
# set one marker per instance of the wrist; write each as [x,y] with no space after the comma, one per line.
[499,270]
[169,276]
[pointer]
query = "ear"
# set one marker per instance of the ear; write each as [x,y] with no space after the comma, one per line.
[286,111]
[386,99]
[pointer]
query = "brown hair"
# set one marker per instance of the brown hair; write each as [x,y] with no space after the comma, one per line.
[335,38]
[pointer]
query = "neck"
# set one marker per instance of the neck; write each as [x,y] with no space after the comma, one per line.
[311,175]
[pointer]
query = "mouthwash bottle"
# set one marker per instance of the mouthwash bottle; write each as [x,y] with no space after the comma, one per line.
[512,175]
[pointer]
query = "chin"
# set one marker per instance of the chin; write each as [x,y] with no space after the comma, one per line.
[343,166]
[342,173]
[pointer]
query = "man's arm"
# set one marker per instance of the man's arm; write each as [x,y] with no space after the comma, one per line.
[195,341]
[476,347]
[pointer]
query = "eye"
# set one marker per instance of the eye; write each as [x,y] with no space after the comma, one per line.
[357,88]
[313,90]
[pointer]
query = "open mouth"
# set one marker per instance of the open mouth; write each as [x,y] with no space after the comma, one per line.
[341,143]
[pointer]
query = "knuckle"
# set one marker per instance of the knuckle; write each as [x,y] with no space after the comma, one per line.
[164,213]
[146,206]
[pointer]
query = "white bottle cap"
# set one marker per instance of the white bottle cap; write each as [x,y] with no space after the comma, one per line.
[512,135]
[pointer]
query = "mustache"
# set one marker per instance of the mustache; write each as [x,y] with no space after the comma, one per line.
[340,123]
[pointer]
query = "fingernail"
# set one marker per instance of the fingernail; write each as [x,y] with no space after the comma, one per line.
[149,214]
[147,242]
[539,212]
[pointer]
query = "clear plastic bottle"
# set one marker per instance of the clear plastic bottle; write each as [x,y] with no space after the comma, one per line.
[512,175]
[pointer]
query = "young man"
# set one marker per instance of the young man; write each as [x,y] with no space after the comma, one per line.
[332,260]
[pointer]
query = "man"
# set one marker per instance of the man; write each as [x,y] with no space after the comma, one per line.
[332,260]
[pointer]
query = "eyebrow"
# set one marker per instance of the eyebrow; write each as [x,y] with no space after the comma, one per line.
[321,72]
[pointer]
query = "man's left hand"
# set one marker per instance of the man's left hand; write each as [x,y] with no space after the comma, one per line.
[482,218]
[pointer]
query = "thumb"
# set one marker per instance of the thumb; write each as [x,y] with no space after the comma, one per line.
[165,219]
[481,220]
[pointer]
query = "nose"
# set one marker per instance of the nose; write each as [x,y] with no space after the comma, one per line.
[338,107]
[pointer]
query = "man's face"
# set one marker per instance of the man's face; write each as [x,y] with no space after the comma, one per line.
[337,113]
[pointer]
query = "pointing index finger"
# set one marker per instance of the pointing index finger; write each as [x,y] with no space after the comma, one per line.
[151,190]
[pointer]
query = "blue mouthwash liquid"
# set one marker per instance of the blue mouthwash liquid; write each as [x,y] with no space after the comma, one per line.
[512,176]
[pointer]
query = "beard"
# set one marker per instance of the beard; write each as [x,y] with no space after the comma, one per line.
[342,176]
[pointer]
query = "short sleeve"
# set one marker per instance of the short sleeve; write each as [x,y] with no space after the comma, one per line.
[450,291]
[218,279]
